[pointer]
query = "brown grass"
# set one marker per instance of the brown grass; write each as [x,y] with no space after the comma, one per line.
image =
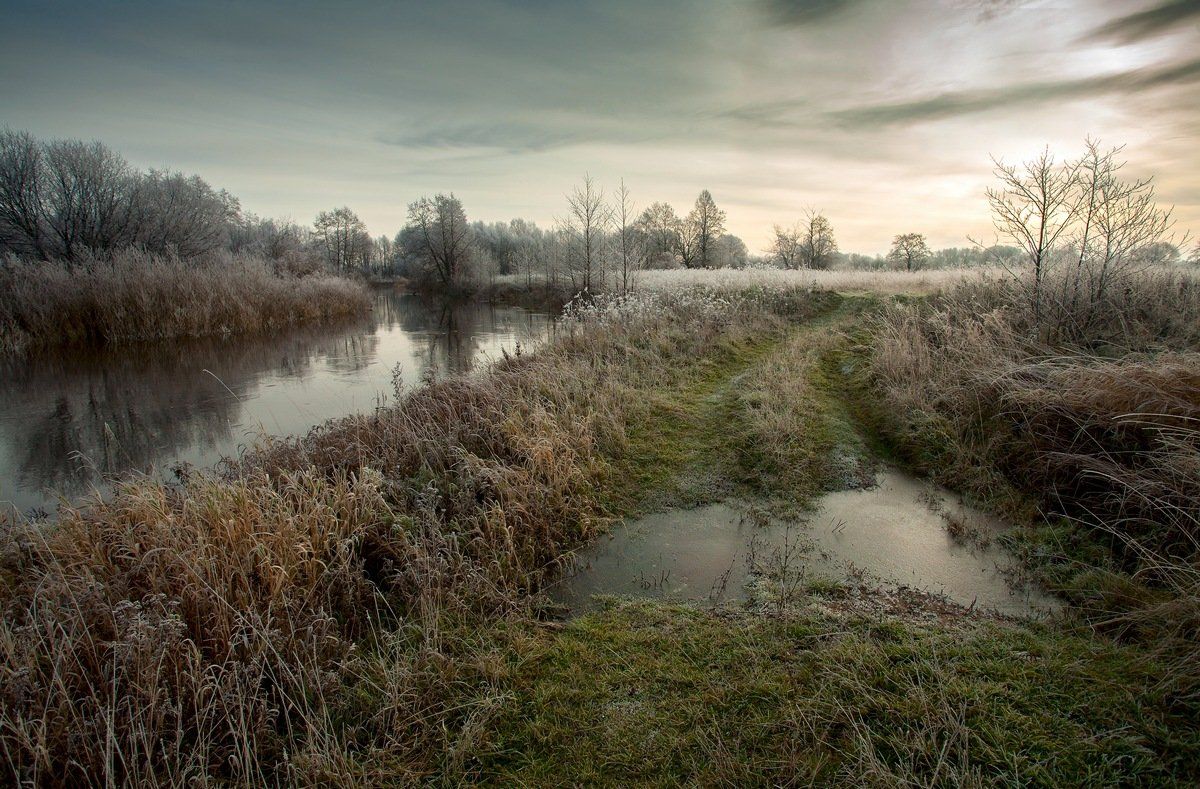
[138,296]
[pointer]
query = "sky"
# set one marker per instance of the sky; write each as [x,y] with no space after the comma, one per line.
[882,114]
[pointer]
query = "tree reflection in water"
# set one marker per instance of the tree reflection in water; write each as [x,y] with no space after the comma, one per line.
[74,418]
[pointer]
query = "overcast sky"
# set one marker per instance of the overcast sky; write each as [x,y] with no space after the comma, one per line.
[881,113]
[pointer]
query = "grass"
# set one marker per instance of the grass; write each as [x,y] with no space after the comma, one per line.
[309,614]
[879,282]
[649,694]
[360,606]
[1082,426]
[136,296]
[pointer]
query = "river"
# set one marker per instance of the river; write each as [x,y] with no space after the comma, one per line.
[72,419]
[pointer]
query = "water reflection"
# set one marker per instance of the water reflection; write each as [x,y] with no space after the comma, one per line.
[73,418]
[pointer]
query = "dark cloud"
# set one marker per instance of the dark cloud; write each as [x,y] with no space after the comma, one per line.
[508,137]
[1151,22]
[805,12]
[949,105]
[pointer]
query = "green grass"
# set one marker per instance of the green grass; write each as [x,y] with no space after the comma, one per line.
[654,695]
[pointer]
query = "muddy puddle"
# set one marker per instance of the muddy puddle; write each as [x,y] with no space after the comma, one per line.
[897,533]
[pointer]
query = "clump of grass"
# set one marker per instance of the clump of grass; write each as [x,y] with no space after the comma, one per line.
[135,296]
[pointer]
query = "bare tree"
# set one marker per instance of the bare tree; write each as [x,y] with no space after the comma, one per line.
[1034,207]
[661,229]
[63,198]
[787,248]
[818,245]
[589,217]
[343,236]
[182,214]
[22,204]
[627,238]
[703,226]
[1082,223]
[909,251]
[439,236]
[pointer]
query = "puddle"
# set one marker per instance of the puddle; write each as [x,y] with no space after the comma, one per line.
[895,533]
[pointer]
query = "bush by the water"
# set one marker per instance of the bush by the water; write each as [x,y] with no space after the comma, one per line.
[135,295]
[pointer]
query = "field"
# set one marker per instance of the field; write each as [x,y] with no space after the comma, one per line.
[363,605]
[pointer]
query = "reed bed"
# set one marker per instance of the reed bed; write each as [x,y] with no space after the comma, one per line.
[318,611]
[139,296]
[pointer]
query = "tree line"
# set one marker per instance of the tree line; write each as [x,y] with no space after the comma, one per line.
[67,199]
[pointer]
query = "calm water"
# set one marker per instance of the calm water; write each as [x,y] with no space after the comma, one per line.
[892,534]
[69,420]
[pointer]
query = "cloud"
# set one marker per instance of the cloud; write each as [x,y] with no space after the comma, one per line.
[954,104]
[508,137]
[1144,24]
[805,12]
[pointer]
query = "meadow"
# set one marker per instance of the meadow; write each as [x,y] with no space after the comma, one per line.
[363,605]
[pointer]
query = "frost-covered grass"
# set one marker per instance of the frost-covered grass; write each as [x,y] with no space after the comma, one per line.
[727,279]
[781,279]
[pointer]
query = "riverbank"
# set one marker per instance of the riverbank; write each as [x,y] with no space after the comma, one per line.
[138,297]
[361,605]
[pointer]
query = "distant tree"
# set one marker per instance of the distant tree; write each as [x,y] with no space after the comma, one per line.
[63,198]
[1159,253]
[703,226]
[730,252]
[786,249]
[182,214]
[628,241]
[589,217]
[909,251]
[818,245]
[440,240]
[661,228]
[528,245]
[860,262]
[343,237]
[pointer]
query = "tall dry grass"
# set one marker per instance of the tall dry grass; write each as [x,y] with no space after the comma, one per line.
[139,296]
[1100,429]
[318,612]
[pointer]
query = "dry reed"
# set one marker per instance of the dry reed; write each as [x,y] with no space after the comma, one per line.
[138,296]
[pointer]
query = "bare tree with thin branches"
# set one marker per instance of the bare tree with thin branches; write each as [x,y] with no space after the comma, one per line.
[1034,207]
[589,217]
[439,235]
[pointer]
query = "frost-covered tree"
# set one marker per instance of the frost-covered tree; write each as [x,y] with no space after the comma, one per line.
[703,226]
[909,251]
